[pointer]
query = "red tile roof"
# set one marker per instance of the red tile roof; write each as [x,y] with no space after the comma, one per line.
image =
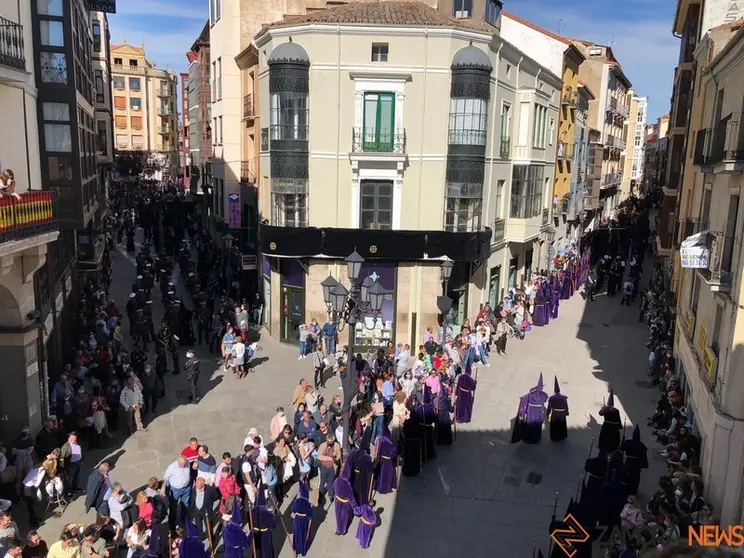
[384,13]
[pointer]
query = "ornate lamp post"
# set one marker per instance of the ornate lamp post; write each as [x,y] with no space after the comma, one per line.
[365,300]
[228,240]
[444,303]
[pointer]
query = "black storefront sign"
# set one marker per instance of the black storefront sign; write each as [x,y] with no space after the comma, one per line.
[107,6]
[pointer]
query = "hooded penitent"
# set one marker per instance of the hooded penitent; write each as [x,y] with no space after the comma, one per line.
[557,413]
[609,435]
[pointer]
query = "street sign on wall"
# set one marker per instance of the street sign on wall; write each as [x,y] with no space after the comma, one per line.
[107,6]
[249,262]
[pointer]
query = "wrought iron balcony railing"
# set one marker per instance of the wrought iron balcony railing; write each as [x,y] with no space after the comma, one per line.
[728,140]
[163,92]
[701,155]
[165,111]
[611,179]
[165,130]
[565,150]
[505,147]
[569,97]
[372,140]
[11,44]
[248,110]
[248,171]
[499,228]
[28,215]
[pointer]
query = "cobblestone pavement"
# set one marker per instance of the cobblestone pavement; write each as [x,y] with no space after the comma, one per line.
[482,495]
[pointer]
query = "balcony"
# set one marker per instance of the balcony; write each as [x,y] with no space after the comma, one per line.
[35,213]
[248,110]
[565,151]
[122,69]
[505,147]
[701,155]
[371,140]
[264,139]
[611,179]
[12,54]
[165,130]
[248,171]
[569,98]
[499,229]
[727,150]
[718,274]
[165,111]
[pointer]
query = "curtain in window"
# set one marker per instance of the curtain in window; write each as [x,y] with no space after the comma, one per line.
[120,103]
[468,121]
[121,121]
[56,111]
[136,122]
[137,141]
[58,138]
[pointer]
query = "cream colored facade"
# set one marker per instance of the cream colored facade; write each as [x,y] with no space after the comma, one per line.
[102,83]
[417,77]
[635,145]
[20,259]
[19,151]
[607,113]
[710,323]
[145,107]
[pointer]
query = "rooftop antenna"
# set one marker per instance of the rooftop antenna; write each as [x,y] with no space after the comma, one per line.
[125,37]
[560,25]
[612,42]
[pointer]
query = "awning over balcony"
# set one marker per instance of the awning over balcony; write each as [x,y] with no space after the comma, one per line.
[695,251]
[387,245]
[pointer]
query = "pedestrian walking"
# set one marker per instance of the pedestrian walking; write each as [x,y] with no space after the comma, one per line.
[192,368]
[131,401]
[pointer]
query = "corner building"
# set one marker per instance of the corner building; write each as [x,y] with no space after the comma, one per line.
[384,134]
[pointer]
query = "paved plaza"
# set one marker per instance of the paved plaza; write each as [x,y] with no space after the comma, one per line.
[481,496]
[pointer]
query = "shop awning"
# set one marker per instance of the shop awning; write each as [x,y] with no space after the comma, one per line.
[695,251]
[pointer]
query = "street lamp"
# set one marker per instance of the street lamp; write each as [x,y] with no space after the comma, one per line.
[328,284]
[444,303]
[365,299]
[228,240]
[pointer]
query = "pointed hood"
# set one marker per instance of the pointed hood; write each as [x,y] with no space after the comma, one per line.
[556,385]
[637,433]
[540,554]
[540,384]
[304,490]
[611,398]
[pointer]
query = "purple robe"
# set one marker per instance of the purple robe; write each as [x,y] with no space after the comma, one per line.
[464,398]
[362,476]
[539,317]
[264,522]
[303,515]
[555,301]
[344,504]
[566,286]
[367,523]
[531,415]
[386,476]
[235,540]
[192,547]
[348,470]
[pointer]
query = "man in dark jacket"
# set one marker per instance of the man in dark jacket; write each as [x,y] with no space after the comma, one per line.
[96,488]
[49,438]
[202,504]
[150,389]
